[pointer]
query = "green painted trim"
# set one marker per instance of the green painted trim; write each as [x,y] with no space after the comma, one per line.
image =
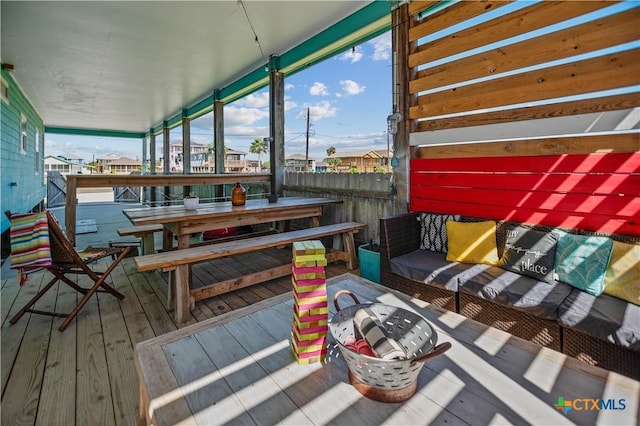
[91,132]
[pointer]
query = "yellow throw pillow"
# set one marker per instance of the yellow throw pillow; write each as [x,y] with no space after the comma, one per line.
[472,242]
[622,277]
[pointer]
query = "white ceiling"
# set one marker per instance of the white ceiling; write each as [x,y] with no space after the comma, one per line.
[128,65]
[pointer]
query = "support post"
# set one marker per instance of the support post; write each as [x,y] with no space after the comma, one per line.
[166,161]
[186,149]
[218,140]
[276,126]
[152,165]
[401,98]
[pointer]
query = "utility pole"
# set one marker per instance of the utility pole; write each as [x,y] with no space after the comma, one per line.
[306,156]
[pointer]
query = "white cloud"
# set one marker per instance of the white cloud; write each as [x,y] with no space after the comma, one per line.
[354,55]
[381,47]
[289,104]
[288,86]
[350,87]
[321,110]
[254,100]
[234,116]
[318,89]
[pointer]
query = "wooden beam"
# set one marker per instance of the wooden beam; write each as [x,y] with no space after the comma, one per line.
[513,24]
[588,37]
[105,181]
[416,7]
[561,109]
[218,142]
[451,15]
[584,144]
[611,71]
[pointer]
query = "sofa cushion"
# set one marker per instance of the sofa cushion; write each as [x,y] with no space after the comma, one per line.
[582,260]
[429,267]
[622,278]
[531,253]
[433,231]
[605,317]
[513,290]
[472,242]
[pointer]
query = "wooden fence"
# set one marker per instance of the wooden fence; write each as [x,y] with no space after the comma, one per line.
[366,197]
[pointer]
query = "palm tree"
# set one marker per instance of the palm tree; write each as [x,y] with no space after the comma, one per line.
[331,150]
[258,146]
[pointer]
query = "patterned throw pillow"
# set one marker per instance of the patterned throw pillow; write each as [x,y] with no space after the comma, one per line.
[433,231]
[622,278]
[473,242]
[582,260]
[529,252]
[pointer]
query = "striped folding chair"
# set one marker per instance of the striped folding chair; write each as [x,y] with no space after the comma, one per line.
[38,242]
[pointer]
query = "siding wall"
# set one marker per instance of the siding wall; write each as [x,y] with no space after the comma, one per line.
[15,166]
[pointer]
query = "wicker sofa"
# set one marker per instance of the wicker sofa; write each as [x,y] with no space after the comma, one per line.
[603,330]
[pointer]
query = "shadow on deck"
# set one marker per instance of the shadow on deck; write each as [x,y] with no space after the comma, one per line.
[86,374]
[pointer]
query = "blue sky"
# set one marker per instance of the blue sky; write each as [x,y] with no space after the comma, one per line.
[349,97]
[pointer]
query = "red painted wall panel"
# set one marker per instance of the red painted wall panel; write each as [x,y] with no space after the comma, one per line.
[597,192]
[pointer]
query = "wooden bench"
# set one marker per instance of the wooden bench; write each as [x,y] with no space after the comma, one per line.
[145,232]
[180,261]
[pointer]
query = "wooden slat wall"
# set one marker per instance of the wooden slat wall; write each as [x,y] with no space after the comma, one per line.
[589,181]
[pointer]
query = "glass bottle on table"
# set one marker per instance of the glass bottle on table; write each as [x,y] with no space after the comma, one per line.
[238,195]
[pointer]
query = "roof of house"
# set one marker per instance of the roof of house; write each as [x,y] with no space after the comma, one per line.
[356,153]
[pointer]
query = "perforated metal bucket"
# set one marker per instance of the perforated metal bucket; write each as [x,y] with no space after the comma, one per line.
[411,330]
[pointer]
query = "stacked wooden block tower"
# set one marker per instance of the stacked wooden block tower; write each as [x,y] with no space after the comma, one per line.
[310,309]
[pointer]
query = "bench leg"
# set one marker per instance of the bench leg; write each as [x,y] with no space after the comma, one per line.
[148,244]
[167,239]
[182,293]
[350,249]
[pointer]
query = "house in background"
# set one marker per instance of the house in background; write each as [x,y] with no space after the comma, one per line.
[71,158]
[299,163]
[322,166]
[116,164]
[59,164]
[176,155]
[234,161]
[360,161]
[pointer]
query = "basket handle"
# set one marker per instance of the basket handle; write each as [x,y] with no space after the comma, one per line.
[436,352]
[340,293]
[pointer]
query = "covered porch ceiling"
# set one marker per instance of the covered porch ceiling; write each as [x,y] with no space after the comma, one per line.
[122,68]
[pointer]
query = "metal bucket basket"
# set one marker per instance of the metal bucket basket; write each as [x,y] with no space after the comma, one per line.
[381,379]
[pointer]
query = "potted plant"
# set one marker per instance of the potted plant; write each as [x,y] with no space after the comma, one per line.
[191,202]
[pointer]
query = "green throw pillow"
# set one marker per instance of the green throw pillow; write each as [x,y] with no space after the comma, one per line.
[582,260]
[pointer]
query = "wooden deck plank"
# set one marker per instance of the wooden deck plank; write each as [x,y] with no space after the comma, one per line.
[24,389]
[251,384]
[161,322]
[203,391]
[57,403]
[119,353]
[12,335]
[94,401]
[134,315]
[9,295]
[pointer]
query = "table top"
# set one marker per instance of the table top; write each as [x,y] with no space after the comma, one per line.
[168,214]
[238,368]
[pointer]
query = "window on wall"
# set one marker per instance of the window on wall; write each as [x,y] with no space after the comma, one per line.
[23,134]
[37,156]
[4,90]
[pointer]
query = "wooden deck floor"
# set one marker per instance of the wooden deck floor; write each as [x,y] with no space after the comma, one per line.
[85,375]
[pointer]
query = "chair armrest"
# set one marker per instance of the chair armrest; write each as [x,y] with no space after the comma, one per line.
[398,235]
